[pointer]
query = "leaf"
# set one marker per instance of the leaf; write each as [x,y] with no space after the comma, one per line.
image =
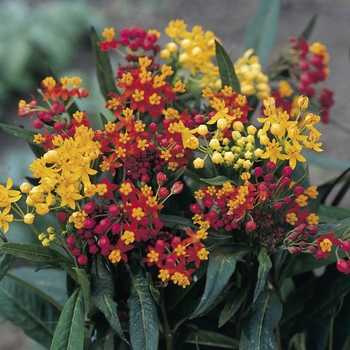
[227,72]
[208,338]
[332,214]
[222,264]
[69,334]
[102,294]
[330,288]
[262,29]
[6,261]
[265,265]
[309,28]
[143,316]
[28,310]
[218,180]
[104,71]
[102,337]
[234,300]
[84,281]
[33,252]
[258,331]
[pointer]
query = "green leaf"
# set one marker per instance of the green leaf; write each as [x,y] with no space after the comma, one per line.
[25,134]
[103,293]
[218,180]
[104,71]
[143,316]
[309,28]
[234,300]
[28,310]
[258,331]
[265,265]
[262,29]
[330,288]
[227,72]
[6,261]
[102,337]
[33,252]
[329,213]
[222,264]
[217,340]
[69,334]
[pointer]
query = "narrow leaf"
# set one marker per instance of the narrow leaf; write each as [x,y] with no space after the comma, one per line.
[218,180]
[222,264]
[102,337]
[6,261]
[25,134]
[104,71]
[258,332]
[69,334]
[227,72]
[329,290]
[28,310]
[213,339]
[234,300]
[143,316]
[33,252]
[103,293]
[262,29]
[265,265]
[309,28]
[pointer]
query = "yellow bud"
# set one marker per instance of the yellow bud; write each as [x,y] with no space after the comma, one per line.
[196,51]
[50,230]
[264,140]
[251,130]
[186,43]
[236,135]
[249,146]
[164,54]
[214,144]
[46,242]
[248,155]
[25,187]
[251,139]
[202,130]
[238,126]
[241,142]
[52,237]
[171,47]
[261,132]
[275,129]
[240,161]
[225,141]
[247,164]
[303,102]
[198,163]
[42,236]
[245,176]
[258,152]
[28,218]
[221,124]
[216,158]
[229,157]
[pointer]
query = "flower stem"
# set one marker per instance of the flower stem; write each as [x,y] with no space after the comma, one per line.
[167,330]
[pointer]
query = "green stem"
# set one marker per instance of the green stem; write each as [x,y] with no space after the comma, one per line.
[331,329]
[167,330]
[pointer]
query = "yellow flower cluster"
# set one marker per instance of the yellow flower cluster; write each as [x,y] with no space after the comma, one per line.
[192,49]
[251,78]
[64,172]
[283,137]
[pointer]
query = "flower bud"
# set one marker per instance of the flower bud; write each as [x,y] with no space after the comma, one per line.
[221,124]
[216,158]
[202,130]
[163,193]
[250,226]
[161,178]
[28,218]
[238,126]
[198,163]
[214,144]
[303,102]
[177,187]
[25,187]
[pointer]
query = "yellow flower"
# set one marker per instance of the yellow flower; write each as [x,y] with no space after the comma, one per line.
[293,154]
[5,218]
[273,151]
[198,163]
[8,196]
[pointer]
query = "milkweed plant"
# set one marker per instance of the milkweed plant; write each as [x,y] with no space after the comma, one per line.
[185,219]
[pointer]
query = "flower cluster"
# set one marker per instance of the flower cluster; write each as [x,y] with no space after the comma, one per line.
[307,66]
[111,187]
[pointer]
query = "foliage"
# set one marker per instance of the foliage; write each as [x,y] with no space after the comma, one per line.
[187,221]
